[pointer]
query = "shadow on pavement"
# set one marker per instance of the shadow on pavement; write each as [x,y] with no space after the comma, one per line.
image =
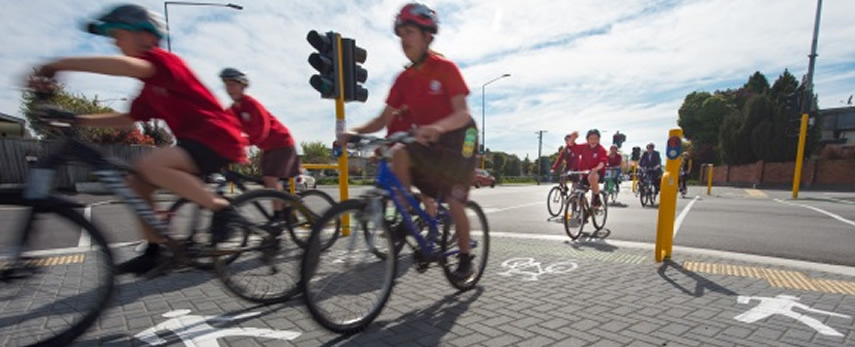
[701,283]
[441,315]
[593,241]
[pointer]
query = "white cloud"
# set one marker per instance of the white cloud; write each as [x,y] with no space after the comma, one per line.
[615,65]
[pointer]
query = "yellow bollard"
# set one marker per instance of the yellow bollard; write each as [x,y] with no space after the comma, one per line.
[709,179]
[634,176]
[668,196]
[292,185]
[231,187]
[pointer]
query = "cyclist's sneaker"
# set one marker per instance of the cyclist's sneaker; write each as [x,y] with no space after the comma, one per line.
[597,203]
[464,266]
[223,223]
[142,264]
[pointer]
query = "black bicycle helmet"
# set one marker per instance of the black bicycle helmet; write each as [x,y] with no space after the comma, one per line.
[234,75]
[128,17]
[593,132]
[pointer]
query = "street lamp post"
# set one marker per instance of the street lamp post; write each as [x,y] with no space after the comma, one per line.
[483,118]
[187,3]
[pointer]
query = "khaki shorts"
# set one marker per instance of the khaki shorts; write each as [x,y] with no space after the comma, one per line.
[445,169]
[280,162]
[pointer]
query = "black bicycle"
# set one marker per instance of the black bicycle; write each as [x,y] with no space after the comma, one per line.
[579,210]
[184,215]
[56,268]
[646,189]
[557,197]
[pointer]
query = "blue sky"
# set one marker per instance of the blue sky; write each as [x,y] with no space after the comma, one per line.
[614,65]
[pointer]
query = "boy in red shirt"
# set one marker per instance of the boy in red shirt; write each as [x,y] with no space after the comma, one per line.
[442,163]
[567,157]
[592,156]
[208,137]
[279,158]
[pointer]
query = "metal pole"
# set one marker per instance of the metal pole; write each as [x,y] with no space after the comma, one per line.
[166,17]
[539,155]
[339,117]
[483,118]
[808,107]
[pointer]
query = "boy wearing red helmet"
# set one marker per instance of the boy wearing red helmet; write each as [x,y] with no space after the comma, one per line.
[442,163]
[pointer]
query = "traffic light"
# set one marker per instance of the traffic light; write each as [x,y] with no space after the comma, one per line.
[618,139]
[325,60]
[636,154]
[354,74]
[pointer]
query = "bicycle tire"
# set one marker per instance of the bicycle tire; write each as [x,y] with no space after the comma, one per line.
[262,259]
[598,218]
[483,245]
[102,292]
[574,212]
[310,217]
[555,194]
[196,230]
[643,196]
[311,271]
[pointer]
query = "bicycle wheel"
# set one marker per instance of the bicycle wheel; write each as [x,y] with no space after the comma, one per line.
[599,215]
[555,201]
[643,195]
[189,222]
[266,265]
[346,285]
[316,202]
[574,217]
[479,243]
[56,289]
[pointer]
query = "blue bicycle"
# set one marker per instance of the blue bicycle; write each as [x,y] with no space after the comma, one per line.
[346,284]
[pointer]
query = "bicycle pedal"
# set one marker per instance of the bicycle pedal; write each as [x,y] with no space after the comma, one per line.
[160,270]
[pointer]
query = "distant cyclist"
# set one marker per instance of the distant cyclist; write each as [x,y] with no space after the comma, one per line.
[652,162]
[592,156]
[279,158]
[567,157]
[614,163]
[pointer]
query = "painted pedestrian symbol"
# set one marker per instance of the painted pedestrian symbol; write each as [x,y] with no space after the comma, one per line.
[195,331]
[784,305]
[530,270]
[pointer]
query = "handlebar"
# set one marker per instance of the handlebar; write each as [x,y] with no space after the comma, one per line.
[359,141]
[583,172]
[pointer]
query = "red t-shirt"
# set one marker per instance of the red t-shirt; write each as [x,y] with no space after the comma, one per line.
[590,157]
[427,90]
[264,130]
[175,95]
[569,158]
[615,160]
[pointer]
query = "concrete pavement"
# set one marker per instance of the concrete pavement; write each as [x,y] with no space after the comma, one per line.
[537,291]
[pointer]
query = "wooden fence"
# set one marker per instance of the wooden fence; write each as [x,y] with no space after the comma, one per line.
[14,164]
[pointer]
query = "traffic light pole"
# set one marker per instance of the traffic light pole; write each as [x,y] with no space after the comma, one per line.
[806,109]
[341,126]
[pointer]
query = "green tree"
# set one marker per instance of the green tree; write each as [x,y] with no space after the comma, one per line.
[527,166]
[161,136]
[757,84]
[785,84]
[79,104]
[513,166]
[499,160]
[315,152]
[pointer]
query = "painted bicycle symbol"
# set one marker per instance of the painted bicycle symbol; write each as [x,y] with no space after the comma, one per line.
[530,270]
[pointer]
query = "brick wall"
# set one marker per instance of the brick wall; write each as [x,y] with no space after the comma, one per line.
[814,172]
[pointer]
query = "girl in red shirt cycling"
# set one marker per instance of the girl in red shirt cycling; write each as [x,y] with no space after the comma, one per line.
[279,158]
[208,137]
[442,163]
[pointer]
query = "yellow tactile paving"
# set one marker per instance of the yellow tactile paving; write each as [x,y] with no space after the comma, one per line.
[776,278]
[756,193]
[54,260]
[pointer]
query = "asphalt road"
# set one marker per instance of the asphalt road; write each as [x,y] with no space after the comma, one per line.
[818,227]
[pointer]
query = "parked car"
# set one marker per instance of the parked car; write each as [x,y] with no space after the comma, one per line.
[304,180]
[483,178]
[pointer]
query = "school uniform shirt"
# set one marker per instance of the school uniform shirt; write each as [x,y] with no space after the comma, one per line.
[589,157]
[176,96]
[427,90]
[263,129]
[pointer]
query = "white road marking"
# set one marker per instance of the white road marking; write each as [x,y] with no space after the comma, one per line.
[840,201]
[489,210]
[683,214]
[832,215]
[85,240]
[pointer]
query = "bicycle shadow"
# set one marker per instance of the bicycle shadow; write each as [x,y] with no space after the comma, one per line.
[701,283]
[440,315]
[593,241]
